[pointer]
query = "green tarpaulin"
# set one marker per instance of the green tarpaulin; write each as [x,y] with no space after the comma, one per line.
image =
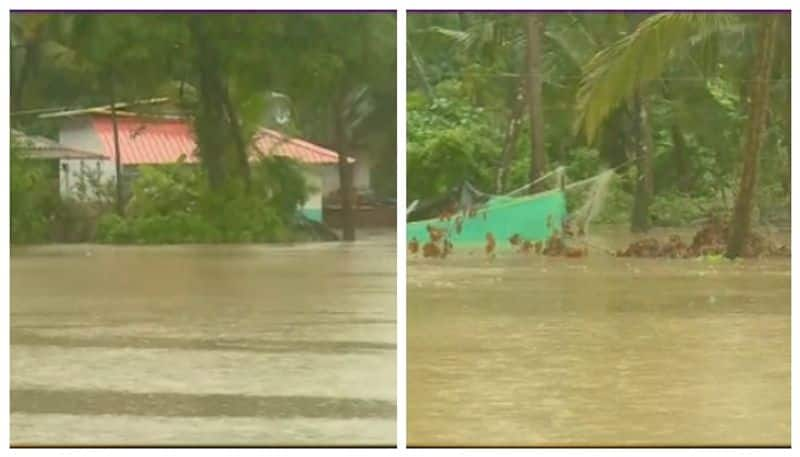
[533,217]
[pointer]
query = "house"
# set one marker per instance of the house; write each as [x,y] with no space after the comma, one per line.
[50,153]
[163,140]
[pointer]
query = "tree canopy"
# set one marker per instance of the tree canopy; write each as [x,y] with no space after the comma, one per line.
[664,96]
[329,78]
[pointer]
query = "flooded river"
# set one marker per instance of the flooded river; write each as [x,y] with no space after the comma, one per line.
[214,345]
[598,351]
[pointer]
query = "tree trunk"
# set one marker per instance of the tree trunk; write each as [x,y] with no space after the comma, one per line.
[421,72]
[236,131]
[615,139]
[640,219]
[512,133]
[787,179]
[210,117]
[787,182]
[754,136]
[679,154]
[31,60]
[345,173]
[117,160]
[534,29]
[211,145]
[684,178]
[463,21]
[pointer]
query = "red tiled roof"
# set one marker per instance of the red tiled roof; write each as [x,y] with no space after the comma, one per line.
[156,141]
[271,142]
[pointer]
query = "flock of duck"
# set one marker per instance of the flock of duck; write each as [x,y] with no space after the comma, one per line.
[439,246]
[709,240]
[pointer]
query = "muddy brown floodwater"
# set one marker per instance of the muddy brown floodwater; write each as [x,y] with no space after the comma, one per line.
[204,345]
[598,351]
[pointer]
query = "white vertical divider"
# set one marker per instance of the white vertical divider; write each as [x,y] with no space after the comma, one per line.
[401,228]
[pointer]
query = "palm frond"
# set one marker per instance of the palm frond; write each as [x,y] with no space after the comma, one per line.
[459,36]
[615,73]
[572,40]
[489,32]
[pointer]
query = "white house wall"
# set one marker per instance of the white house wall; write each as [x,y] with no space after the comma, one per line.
[313,206]
[73,170]
[78,133]
[361,177]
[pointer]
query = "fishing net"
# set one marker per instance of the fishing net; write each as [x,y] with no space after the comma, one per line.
[596,191]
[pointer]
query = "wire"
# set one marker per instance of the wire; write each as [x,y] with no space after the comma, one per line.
[579,78]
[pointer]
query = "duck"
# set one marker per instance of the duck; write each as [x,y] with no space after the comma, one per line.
[490,244]
[413,246]
[430,249]
[448,248]
[576,252]
[435,233]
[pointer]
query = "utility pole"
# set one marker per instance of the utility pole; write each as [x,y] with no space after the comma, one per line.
[117,164]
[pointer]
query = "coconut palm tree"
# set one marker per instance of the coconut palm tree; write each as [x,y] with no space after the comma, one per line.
[620,72]
[534,34]
[615,73]
[525,55]
[503,42]
[754,135]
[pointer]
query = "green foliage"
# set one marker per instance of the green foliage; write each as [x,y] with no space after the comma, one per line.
[449,141]
[33,191]
[280,182]
[174,204]
[615,73]
[692,70]
[39,214]
[677,209]
[75,221]
[164,190]
[222,70]
[340,71]
[583,162]
[155,229]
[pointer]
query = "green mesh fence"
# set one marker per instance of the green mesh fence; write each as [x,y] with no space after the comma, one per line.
[533,217]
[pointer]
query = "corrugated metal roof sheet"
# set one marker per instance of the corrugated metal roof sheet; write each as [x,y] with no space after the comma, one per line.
[101,109]
[156,141]
[39,147]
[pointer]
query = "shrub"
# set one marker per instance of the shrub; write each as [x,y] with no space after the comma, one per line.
[173,204]
[33,197]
